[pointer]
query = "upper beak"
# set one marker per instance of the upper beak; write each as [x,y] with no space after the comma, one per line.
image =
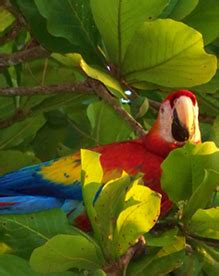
[183,124]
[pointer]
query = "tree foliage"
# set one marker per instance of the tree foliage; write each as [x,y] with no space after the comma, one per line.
[79,73]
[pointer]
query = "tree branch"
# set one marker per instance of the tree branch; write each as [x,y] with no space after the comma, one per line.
[22,56]
[46,90]
[102,92]
[116,268]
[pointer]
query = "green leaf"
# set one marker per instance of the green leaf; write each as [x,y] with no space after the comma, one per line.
[165,260]
[162,239]
[205,223]
[104,77]
[73,21]
[101,116]
[189,163]
[139,214]
[11,160]
[6,19]
[181,8]
[165,264]
[20,132]
[108,207]
[92,175]
[205,19]
[174,50]
[210,87]
[64,252]
[202,194]
[13,265]
[214,134]
[118,24]
[39,30]
[23,233]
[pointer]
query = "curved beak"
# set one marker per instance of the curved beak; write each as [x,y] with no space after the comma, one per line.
[183,124]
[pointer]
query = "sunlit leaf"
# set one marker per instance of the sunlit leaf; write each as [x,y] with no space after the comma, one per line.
[182,54]
[118,24]
[139,214]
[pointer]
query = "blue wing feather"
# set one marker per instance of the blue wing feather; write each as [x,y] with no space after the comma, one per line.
[58,178]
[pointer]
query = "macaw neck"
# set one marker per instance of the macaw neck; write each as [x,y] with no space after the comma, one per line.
[155,143]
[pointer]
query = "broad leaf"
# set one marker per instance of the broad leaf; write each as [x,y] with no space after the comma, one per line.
[39,30]
[178,9]
[25,232]
[118,24]
[20,132]
[101,116]
[202,194]
[163,50]
[205,19]
[13,265]
[189,163]
[64,252]
[73,21]
[205,223]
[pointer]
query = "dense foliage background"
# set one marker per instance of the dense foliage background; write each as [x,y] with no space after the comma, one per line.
[77,73]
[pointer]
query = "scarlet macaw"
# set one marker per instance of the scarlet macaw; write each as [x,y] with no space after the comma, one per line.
[56,183]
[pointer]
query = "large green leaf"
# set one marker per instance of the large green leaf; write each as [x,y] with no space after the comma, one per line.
[13,265]
[11,160]
[108,207]
[20,132]
[205,223]
[64,252]
[23,233]
[101,116]
[189,163]
[205,19]
[117,21]
[168,53]
[202,194]
[178,9]
[72,20]
[39,30]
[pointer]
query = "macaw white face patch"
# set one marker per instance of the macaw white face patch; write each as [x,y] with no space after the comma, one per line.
[187,113]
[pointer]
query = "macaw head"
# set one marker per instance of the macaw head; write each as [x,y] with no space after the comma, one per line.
[177,122]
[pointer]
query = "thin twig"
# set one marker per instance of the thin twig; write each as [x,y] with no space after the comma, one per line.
[102,92]
[22,56]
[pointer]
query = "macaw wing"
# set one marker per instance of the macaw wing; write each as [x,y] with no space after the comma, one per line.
[58,178]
